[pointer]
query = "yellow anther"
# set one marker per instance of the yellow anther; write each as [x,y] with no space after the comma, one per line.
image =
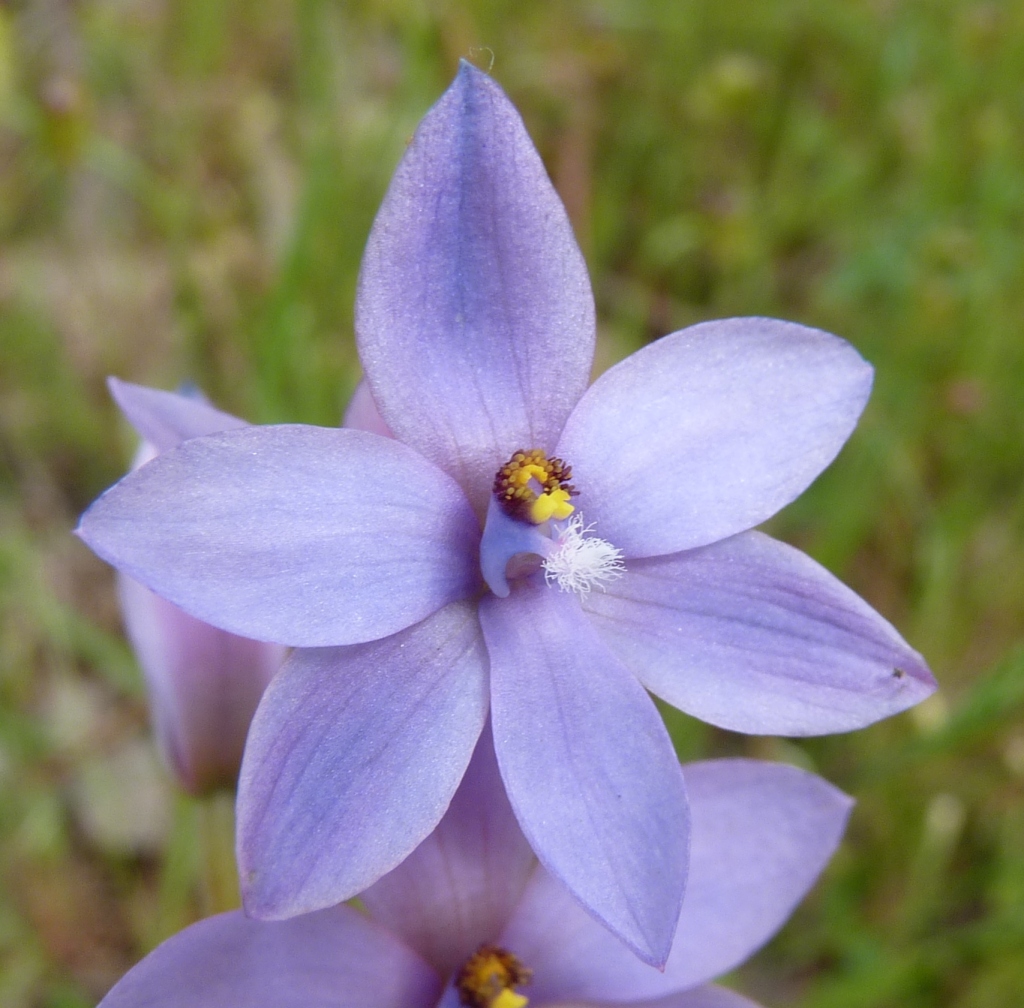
[488,979]
[534,488]
[509,999]
[551,505]
[524,474]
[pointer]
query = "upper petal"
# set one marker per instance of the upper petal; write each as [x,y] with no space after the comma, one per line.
[709,431]
[760,835]
[588,765]
[204,685]
[460,886]
[165,419]
[474,315]
[752,635]
[353,757]
[306,536]
[332,959]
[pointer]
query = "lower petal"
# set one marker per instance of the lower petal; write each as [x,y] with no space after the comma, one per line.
[588,765]
[332,959]
[353,757]
[760,835]
[754,636]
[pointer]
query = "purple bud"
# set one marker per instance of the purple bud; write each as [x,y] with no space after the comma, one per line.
[204,683]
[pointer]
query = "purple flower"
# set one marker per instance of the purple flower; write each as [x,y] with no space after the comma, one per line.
[470,918]
[475,325]
[204,684]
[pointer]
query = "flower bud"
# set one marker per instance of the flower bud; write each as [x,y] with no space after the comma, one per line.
[204,684]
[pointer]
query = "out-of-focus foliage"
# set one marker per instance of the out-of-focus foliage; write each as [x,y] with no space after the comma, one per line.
[185,189]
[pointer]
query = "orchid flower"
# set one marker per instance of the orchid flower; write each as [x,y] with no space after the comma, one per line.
[522,547]
[204,683]
[470,918]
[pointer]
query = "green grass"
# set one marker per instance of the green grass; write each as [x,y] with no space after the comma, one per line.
[185,189]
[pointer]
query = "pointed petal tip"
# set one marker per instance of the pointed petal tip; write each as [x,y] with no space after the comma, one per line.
[474,316]
[164,419]
[650,950]
[352,759]
[656,957]
[259,903]
[918,683]
[615,834]
[264,899]
[912,682]
[253,904]
[120,390]
[826,791]
[918,668]
[754,636]
[470,73]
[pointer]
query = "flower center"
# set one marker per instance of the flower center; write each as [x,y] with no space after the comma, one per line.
[532,526]
[488,978]
[533,488]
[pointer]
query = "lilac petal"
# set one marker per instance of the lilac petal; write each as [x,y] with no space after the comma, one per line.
[352,759]
[752,635]
[362,412]
[588,765]
[452,999]
[165,419]
[302,535]
[460,886]
[710,996]
[204,685]
[332,959]
[474,315]
[709,431]
[760,835]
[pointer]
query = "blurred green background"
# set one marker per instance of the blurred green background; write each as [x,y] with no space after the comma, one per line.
[185,190]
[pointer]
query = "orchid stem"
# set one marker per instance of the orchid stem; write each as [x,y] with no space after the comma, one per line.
[217,841]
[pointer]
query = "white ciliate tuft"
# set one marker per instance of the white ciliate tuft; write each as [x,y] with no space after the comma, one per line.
[580,561]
